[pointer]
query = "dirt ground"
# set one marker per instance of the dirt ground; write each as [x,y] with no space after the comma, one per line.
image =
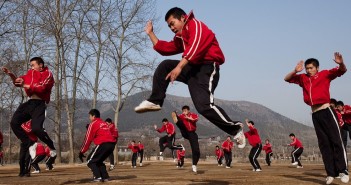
[165,172]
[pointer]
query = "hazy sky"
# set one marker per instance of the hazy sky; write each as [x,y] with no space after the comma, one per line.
[263,41]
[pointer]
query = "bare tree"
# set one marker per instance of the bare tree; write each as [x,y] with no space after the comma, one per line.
[130,65]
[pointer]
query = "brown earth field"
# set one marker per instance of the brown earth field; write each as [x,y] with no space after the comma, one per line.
[165,172]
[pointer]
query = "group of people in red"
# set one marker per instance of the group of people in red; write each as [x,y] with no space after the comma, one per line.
[137,151]
[199,68]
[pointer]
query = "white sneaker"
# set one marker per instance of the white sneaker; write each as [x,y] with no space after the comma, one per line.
[178,166]
[194,168]
[240,139]
[141,164]
[254,170]
[329,180]
[36,171]
[112,167]
[146,106]
[33,150]
[227,167]
[299,166]
[344,177]
[258,170]
[53,153]
[97,179]
[295,163]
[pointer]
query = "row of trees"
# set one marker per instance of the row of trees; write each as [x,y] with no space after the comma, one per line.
[96,50]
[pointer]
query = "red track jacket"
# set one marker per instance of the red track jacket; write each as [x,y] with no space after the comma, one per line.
[189,125]
[168,127]
[197,42]
[98,132]
[227,146]
[267,148]
[41,83]
[252,136]
[296,143]
[316,88]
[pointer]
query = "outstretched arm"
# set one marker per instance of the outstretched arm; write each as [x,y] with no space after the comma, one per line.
[8,72]
[339,60]
[149,30]
[298,68]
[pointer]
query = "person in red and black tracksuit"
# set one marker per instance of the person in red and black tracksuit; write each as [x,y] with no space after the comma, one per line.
[169,139]
[135,149]
[180,158]
[227,146]
[219,154]
[49,159]
[345,114]
[37,84]
[186,123]
[296,153]
[99,133]
[268,149]
[199,68]
[39,156]
[141,152]
[255,141]
[316,85]
[114,132]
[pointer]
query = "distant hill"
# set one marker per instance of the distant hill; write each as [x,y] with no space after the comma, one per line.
[269,123]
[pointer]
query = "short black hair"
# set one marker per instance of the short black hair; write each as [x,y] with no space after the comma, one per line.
[333,101]
[186,107]
[175,12]
[267,140]
[312,61]
[292,134]
[217,146]
[339,103]
[108,120]
[95,112]
[164,120]
[39,60]
[251,122]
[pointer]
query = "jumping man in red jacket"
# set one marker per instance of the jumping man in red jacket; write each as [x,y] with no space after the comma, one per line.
[169,139]
[198,68]
[37,84]
[255,141]
[99,133]
[315,86]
